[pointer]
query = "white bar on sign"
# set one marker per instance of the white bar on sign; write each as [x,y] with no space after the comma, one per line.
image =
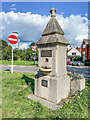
[12,39]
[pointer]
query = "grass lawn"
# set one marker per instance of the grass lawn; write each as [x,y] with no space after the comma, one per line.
[6,62]
[15,103]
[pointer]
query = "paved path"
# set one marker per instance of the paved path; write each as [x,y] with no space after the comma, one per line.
[33,69]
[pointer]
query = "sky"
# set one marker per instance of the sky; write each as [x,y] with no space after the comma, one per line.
[30,18]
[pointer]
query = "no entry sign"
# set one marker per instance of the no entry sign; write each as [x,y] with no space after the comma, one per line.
[34,48]
[12,39]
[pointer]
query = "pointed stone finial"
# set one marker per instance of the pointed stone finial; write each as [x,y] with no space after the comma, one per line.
[52,11]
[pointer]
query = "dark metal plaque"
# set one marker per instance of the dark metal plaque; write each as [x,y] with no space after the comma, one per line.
[45,83]
[46,53]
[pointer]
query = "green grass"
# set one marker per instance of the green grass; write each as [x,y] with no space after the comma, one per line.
[6,62]
[16,104]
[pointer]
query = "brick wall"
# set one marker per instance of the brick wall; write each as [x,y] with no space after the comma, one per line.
[88,52]
[86,49]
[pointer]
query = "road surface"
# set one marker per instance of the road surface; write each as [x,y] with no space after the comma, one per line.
[33,69]
[19,68]
[81,70]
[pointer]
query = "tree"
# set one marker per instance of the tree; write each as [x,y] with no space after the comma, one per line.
[22,54]
[77,58]
[36,57]
[16,54]
[28,54]
[32,44]
[3,44]
[7,53]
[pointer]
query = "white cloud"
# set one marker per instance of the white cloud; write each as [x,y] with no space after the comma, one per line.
[13,9]
[75,28]
[13,5]
[30,26]
[86,14]
[81,37]
[62,13]
[22,46]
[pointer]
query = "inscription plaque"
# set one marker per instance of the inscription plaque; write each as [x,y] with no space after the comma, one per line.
[45,83]
[46,53]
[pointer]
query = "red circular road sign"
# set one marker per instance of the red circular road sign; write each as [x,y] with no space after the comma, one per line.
[12,39]
[34,48]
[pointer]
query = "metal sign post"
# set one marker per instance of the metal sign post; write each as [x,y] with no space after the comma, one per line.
[25,56]
[13,40]
[34,57]
[12,61]
[34,49]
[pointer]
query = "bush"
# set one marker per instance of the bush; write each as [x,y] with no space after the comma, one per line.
[77,76]
[77,59]
[87,62]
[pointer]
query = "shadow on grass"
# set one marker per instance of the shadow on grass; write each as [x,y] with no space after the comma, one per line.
[29,81]
[7,70]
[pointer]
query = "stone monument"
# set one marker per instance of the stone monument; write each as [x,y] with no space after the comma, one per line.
[52,82]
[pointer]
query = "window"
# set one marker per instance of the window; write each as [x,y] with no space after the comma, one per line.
[73,53]
[83,46]
[84,56]
[83,52]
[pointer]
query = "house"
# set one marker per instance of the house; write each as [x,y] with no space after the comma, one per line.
[74,52]
[85,49]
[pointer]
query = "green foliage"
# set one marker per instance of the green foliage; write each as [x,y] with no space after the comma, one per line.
[14,97]
[77,76]
[70,74]
[75,108]
[16,54]
[87,62]
[22,54]
[3,44]
[7,53]
[32,44]
[77,59]
[29,54]
[17,105]
[36,56]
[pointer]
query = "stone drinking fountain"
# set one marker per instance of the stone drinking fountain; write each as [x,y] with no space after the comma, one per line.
[52,82]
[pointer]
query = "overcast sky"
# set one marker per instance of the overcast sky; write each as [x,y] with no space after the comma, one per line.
[29,20]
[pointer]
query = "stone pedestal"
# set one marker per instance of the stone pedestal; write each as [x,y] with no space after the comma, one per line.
[52,88]
[77,85]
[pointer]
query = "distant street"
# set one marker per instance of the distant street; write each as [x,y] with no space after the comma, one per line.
[33,69]
[20,68]
[81,70]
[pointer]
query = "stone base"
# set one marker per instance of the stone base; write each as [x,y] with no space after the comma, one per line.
[77,85]
[51,88]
